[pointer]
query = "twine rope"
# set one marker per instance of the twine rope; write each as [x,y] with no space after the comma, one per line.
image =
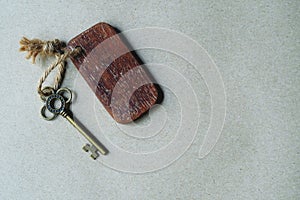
[55,48]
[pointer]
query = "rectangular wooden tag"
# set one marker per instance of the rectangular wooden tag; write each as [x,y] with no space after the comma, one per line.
[114,73]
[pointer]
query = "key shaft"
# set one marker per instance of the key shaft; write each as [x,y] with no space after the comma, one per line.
[96,144]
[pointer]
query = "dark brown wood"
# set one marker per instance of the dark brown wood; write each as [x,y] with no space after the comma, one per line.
[113,73]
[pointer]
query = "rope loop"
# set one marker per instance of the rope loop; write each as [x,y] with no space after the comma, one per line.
[55,48]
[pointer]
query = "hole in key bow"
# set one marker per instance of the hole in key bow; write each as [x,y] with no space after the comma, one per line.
[54,100]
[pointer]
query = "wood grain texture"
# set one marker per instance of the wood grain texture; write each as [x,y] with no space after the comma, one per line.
[114,73]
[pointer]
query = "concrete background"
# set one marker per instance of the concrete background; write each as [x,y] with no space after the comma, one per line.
[255,45]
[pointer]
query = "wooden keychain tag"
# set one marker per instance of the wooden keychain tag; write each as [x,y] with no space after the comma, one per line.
[114,73]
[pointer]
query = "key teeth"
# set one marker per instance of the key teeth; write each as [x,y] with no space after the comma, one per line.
[86,147]
[92,149]
[94,156]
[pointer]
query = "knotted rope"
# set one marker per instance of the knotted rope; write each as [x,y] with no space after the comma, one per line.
[55,48]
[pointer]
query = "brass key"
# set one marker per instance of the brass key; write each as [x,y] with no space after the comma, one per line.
[56,97]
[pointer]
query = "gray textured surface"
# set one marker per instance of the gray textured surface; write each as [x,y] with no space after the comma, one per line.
[255,45]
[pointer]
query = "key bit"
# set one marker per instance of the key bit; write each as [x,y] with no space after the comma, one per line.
[92,149]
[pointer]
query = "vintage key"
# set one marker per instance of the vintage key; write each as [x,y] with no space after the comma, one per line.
[56,97]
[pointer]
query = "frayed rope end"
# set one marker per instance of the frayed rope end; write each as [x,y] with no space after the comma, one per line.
[35,47]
